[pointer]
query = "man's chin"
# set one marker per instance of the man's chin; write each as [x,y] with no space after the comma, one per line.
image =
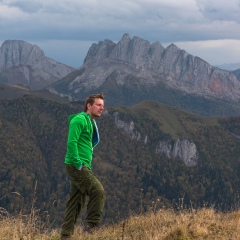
[98,115]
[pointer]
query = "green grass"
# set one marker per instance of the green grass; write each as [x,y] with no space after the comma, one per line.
[173,121]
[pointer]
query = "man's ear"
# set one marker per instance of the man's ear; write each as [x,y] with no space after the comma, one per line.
[89,106]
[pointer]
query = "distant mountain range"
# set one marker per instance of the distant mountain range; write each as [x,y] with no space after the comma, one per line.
[229,66]
[133,64]
[128,72]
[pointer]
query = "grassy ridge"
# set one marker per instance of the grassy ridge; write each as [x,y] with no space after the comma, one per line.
[172,120]
[164,224]
[8,91]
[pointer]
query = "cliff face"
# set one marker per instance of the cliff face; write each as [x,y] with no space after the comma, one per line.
[24,63]
[153,63]
[185,149]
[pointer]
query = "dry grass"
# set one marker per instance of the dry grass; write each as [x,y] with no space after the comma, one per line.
[165,224]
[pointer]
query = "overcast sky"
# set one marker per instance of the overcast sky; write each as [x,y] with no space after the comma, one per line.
[65,29]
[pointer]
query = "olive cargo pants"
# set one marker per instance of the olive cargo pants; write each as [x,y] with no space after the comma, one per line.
[83,183]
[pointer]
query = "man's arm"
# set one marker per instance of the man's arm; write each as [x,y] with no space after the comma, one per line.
[75,130]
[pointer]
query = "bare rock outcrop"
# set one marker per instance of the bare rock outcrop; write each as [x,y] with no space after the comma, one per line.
[127,127]
[185,149]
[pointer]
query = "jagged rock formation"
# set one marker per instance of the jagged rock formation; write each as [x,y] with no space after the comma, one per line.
[24,63]
[127,127]
[185,149]
[136,67]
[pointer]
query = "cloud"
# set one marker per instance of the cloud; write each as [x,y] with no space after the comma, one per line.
[78,18]
[84,21]
[10,14]
[26,6]
[215,52]
[220,10]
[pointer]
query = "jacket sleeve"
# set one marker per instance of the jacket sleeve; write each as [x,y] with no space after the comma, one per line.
[75,129]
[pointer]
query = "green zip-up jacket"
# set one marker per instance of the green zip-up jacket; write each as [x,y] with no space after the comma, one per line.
[80,140]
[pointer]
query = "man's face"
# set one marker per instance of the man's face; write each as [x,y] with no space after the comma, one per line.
[96,109]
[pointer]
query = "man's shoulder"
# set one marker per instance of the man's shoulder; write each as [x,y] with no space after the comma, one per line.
[79,117]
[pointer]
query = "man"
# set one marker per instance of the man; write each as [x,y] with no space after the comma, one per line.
[82,138]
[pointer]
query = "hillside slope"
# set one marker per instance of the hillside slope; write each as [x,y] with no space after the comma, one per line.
[148,151]
[9,91]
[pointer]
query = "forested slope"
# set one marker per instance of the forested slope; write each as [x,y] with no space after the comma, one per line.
[33,135]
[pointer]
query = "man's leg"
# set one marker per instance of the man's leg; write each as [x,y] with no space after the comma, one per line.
[89,185]
[73,208]
[96,201]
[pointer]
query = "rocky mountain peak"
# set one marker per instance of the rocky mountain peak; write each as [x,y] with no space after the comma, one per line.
[24,63]
[99,51]
[14,53]
[134,50]
[173,48]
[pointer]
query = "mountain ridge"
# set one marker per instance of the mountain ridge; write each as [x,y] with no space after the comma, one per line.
[135,69]
[131,71]
[24,63]
[229,66]
[151,62]
[10,91]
